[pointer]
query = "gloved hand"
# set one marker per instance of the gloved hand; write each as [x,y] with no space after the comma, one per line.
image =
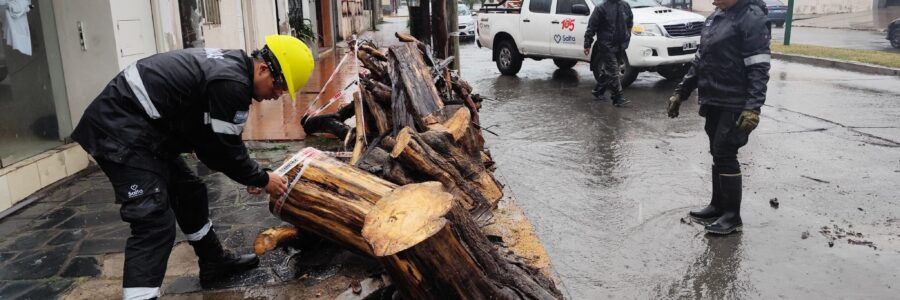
[674,105]
[748,120]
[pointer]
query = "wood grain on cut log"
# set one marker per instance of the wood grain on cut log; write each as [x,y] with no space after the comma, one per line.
[381,91]
[416,78]
[359,144]
[401,116]
[331,198]
[418,155]
[434,250]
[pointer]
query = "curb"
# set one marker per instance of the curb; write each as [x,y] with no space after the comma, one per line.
[869,29]
[838,64]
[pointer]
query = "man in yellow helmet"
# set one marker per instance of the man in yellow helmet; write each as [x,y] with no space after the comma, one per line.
[192,100]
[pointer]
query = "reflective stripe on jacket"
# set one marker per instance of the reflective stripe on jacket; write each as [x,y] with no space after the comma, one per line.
[731,67]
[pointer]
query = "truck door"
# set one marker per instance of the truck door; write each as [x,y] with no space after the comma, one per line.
[567,31]
[534,27]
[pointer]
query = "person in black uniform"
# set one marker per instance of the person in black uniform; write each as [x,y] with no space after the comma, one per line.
[611,21]
[730,72]
[192,100]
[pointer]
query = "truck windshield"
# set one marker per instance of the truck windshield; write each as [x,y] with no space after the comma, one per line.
[633,3]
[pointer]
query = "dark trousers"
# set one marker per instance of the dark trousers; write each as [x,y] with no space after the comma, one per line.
[724,138]
[151,202]
[606,72]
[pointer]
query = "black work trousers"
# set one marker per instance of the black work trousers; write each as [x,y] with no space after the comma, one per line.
[606,72]
[724,138]
[151,202]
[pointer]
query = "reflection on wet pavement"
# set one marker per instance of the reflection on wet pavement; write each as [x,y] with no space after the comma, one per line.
[606,188]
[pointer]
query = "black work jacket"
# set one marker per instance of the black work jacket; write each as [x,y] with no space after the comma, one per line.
[192,100]
[731,67]
[611,22]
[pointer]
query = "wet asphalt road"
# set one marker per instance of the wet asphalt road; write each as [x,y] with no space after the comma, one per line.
[836,38]
[606,187]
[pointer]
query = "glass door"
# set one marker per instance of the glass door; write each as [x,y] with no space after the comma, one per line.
[28,117]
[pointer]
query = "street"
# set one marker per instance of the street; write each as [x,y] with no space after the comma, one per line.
[836,38]
[607,188]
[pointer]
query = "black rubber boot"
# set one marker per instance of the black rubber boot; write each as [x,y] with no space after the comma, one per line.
[712,211]
[598,92]
[730,221]
[618,100]
[216,263]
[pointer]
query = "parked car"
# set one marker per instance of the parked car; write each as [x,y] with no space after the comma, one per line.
[777,12]
[466,22]
[663,39]
[893,33]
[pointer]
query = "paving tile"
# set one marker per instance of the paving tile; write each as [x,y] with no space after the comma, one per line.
[14,289]
[68,236]
[100,218]
[54,218]
[183,285]
[102,195]
[78,221]
[6,256]
[30,240]
[82,266]
[50,289]
[117,230]
[247,215]
[42,263]
[253,277]
[9,227]
[33,211]
[101,246]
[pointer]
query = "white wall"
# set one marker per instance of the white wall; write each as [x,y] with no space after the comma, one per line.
[135,37]
[167,24]
[807,6]
[86,71]
[229,34]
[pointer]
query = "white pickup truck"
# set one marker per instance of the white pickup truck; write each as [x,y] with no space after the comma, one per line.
[663,39]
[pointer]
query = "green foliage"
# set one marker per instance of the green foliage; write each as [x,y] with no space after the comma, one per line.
[304,31]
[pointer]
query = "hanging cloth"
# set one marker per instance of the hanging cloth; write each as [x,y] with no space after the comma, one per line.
[16,31]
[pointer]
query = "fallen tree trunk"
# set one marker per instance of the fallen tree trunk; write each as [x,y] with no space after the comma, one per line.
[330,198]
[434,250]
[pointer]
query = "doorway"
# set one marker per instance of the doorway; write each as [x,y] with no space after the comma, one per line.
[325,25]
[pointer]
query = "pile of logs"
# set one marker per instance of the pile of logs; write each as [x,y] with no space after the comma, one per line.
[417,188]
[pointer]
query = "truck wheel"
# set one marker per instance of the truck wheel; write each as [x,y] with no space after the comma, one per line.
[509,60]
[895,38]
[564,64]
[629,73]
[779,24]
[673,72]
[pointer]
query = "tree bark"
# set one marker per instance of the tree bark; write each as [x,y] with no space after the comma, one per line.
[439,24]
[432,249]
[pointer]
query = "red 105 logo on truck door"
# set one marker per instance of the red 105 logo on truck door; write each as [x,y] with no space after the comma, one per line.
[568,23]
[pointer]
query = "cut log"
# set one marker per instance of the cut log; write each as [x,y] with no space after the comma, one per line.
[359,145]
[379,162]
[401,116]
[432,249]
[416,78]
[468,164]
[330,199]
[376,115]
[418,155]
[271,238]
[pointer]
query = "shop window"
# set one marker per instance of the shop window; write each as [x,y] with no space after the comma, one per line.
[28,116]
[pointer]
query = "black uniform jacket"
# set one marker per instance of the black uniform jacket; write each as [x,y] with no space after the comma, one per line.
[611,21]
[731,68]
[192,100]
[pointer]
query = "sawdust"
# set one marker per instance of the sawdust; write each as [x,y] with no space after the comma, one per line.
[511,224]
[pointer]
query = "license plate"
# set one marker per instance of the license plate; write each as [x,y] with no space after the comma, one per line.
[689,46]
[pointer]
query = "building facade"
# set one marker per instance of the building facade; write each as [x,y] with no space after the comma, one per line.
[818,6]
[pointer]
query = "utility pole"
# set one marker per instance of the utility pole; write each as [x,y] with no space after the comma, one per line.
[439,24]
[788,22]
[419,26]
[453,24]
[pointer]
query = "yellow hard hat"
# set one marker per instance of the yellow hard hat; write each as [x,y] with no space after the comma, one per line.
[294,59]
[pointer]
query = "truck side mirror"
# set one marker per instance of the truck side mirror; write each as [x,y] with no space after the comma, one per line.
[580,9]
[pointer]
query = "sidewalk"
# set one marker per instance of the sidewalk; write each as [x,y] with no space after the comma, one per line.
[69,244]
[866,20]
